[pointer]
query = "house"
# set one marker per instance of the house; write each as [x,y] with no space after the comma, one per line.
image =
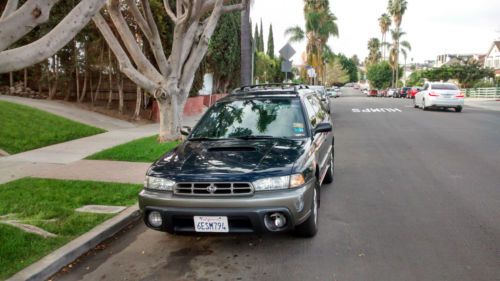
[492,58]
[449,59]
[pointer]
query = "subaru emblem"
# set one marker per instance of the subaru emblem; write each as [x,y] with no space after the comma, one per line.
[211,188]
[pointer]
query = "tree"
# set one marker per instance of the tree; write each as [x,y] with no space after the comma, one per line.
[349,66]
[170,81]
[223,56]
[16,23]
[379,75]
[384,22]
[396,9]
[355,60]
[320,25]
[256,38]
[404,48]
[374,52]
[261,38]
[246,47]
[270,42]
[335,73]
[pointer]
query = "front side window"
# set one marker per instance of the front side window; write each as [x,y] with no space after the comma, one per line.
[270,117]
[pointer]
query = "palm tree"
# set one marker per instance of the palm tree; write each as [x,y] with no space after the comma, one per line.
[398,46]
[320,26]
[384,22]
[374,51]
[396,9]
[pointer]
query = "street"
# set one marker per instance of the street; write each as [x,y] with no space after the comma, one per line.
[416,196]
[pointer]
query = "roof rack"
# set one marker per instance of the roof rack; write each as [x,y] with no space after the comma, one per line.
[270,86]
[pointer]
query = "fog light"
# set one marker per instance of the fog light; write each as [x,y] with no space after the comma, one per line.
[275,221]
[154,219]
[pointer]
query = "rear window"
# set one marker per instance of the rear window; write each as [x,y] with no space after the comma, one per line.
[444,87]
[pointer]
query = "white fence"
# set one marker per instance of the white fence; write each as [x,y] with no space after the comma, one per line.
[482,92]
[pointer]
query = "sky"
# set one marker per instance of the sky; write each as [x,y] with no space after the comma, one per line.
[433,27]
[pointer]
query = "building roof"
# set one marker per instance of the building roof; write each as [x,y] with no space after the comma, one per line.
[495,43]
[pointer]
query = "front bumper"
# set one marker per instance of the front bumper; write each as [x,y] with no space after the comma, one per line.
[245,214]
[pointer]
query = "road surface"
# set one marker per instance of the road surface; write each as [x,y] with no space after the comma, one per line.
[416,196]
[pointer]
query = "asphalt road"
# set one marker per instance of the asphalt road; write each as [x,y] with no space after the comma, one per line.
[416,196]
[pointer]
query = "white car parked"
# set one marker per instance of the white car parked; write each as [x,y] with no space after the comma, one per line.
[439,95]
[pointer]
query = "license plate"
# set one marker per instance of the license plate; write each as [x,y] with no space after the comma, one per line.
[210,224]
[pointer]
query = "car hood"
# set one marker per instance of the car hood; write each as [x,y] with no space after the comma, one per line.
[226,159]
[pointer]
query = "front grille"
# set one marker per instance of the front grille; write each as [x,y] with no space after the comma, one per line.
[213,188]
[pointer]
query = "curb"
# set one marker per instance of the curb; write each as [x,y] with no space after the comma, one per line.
[53,262]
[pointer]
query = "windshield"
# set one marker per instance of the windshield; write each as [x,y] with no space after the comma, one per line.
[271,117]
[444,87]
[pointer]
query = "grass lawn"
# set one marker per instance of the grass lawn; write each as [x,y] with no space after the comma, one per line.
[25,128]
[50,204]
[141,150]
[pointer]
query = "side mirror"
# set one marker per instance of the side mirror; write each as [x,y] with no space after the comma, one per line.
[323,128]
[185,131]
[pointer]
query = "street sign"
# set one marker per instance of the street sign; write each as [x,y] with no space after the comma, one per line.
[287,52]
[311,72]
[286,66]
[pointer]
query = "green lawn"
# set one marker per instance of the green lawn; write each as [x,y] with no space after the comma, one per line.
[141,150]
[25,128]
[49,204]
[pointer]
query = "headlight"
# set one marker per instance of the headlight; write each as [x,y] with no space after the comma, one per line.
[276,183]
[158,183]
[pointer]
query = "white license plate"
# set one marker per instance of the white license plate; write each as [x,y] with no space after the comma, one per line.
[210,224]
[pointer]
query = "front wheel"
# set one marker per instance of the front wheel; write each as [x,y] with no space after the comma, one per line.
[309,228]
[458,109]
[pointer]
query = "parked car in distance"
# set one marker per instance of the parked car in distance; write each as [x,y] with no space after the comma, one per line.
[440,95]
[366,92]
[333,93]
[373,93]
[403,92]
[390,93]
[381,93]
[254,163]
[413,91]
[356,87]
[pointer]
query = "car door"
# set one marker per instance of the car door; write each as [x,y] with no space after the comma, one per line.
[322,141]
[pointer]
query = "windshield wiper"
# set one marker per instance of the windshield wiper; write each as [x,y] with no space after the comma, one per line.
[203,139]
[253,137]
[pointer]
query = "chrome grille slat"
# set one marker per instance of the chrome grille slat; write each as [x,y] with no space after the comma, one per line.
[213,188]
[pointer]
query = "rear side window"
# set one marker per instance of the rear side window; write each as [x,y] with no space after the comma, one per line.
[444,87]
[311,112]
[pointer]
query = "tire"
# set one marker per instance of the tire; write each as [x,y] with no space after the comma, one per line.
[458,109]
[309,228]
[423,105]
[329,174]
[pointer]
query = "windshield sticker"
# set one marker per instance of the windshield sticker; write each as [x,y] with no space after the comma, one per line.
[298,129]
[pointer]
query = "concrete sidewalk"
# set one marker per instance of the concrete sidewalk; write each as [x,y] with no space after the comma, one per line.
[489,104]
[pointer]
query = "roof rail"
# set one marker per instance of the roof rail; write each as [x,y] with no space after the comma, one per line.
[270,86]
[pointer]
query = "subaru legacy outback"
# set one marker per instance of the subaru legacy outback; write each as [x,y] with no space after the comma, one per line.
[254,163]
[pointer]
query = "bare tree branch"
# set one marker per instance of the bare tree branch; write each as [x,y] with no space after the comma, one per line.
[235,7]
[48,45]
[155,43]
[123,60]
[170,13]
[10,7]
[141,22]
[20,22]
[130,43]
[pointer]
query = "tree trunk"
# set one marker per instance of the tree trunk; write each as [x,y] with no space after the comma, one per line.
[246,47]
[97,88]
[77,70]
[25,79]
[138,101]
[171,109]
[54,84]
[11,82]
[110,68]
[120,92]
[84,89]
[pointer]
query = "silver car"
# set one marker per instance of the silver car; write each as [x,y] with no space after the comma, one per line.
[439,95]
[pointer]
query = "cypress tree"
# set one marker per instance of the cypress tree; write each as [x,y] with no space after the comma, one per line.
[256,39]
[270,42]
[261,38]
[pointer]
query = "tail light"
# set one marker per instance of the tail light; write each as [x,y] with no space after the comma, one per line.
[432,94]
[461,95]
